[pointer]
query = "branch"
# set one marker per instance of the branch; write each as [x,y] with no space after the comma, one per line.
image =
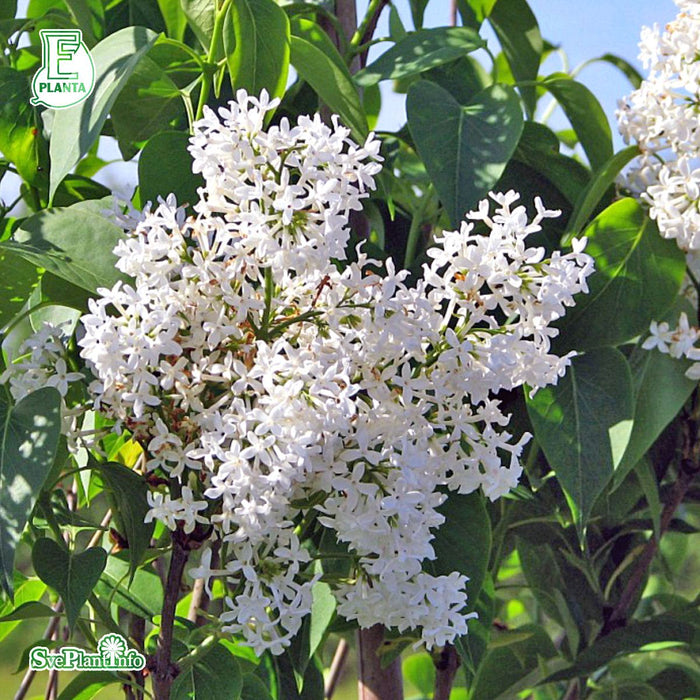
[200,598]
[375,682]
[366,30]
[164,671]
[445,671]
[48,634]
[336,669]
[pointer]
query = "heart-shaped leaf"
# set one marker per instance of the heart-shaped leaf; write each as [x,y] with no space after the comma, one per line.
[72,576]
[465,148]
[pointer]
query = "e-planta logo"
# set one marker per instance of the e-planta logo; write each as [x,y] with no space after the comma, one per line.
[113,654]
[67,73]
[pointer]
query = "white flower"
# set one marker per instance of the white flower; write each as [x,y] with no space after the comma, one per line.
[662,117]
[280,384]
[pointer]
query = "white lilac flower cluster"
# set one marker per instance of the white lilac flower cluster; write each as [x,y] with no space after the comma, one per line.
[677,342]
[284,389]
[663,118]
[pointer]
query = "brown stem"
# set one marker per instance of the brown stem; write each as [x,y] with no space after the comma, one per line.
[137,632]
[445,671]
[346,12]
[453,13]
[336,669]
[52,685]
[375,682]
[164,671]
[573,691]
[369,32]
[200,597]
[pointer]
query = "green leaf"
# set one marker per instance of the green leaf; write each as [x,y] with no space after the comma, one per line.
[463,78]
[647,478]
[417,11]
[28,611]
[396,29]
[506,664]
[465,148]
[27,591]
[538,148]
[168,147]
[200,16]
[28,442]
[144,597]
[463,541]
[78,188]
[637,277]
[75,129]
[74,243]
[322,613]
[17,280]
[60,292]
[598,186]
[419,670]
[88,684]
[84,19]
[174,17]
[257,47]
[313,630]
[555,579]
[629,639]
[586,116]
[8,9]
[627,690]
[150,101]
[20,139]
[626,68]
[676,682]
[474,12]
[254,688]
[216,676]
[519,34]
[127,490]
[421,51]
[661,389]
[72,576]
[472,646]
[584,422]
[320,65]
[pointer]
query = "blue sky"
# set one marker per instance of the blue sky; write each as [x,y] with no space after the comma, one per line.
[583,28]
